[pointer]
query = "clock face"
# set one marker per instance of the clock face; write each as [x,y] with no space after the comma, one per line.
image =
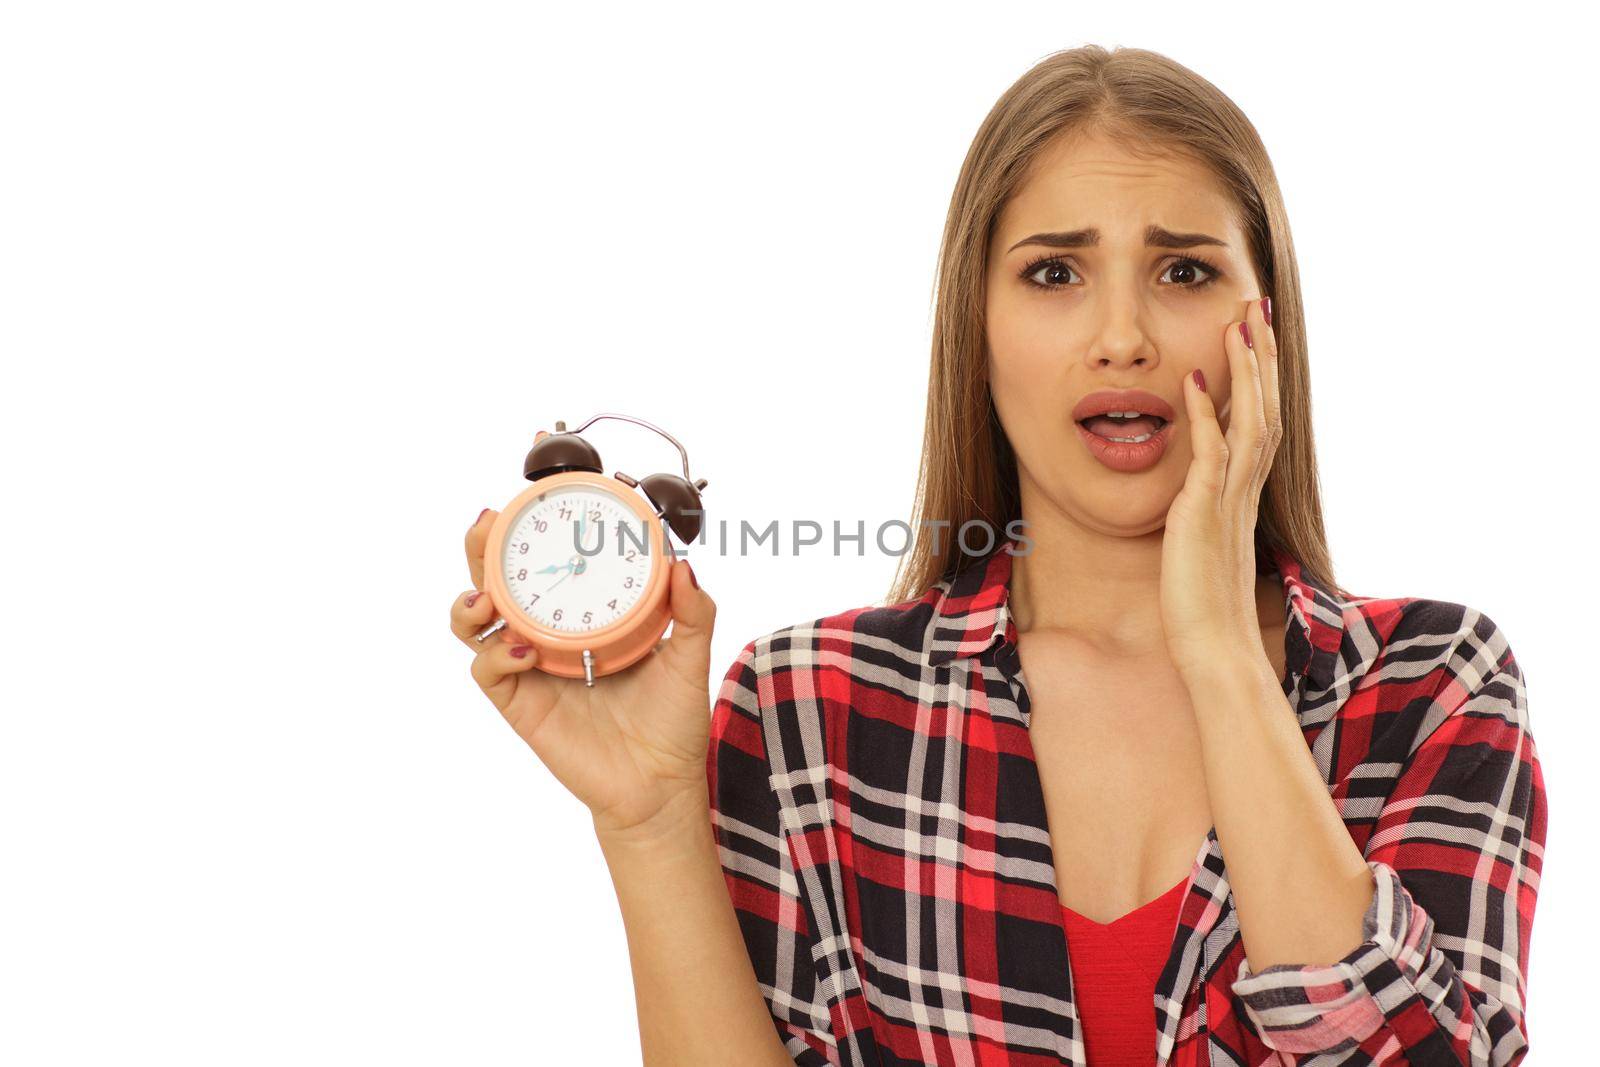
[577,559]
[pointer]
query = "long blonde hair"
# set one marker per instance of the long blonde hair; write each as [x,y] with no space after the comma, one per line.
[1149,102]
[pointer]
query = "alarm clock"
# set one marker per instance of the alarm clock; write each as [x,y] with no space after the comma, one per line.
[577,564]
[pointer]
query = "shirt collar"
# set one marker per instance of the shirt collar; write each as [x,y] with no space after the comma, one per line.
[972,612]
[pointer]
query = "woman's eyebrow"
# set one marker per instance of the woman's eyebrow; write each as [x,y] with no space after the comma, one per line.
[1154,237]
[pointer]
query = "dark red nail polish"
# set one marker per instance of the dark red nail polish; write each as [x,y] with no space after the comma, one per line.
[481,514]
[692,578]
[519,651]
[1244,331]
[472,598]
[1200,379]
[1266,309]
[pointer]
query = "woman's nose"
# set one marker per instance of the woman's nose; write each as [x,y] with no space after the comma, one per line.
[1119,337]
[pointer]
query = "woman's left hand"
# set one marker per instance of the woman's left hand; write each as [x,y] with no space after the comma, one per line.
[1208,559]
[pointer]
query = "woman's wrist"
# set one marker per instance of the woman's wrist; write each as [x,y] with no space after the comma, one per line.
[683,820]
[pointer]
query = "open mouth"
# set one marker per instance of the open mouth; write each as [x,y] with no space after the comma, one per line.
[1125,429]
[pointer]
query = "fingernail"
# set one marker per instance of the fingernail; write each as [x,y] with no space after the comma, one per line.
[472,598]
[1200,379]
[481,514]
[692,578]
[1244,331]
[1266,309]
[519,651]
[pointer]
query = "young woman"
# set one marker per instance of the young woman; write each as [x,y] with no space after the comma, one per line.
[1135,782]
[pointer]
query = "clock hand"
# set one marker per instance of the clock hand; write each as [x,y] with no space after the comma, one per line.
[572,566]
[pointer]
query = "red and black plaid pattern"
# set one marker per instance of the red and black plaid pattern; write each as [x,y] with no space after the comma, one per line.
[883,836]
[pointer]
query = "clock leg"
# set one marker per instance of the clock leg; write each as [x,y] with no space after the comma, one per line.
[588,669]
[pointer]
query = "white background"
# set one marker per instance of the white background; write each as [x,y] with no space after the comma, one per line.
[287,288]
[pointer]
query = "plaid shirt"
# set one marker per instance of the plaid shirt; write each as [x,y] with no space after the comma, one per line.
[882,833]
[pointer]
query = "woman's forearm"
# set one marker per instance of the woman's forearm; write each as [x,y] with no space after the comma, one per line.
[698,1000]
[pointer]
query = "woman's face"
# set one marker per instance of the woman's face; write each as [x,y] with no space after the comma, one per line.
[1078,301]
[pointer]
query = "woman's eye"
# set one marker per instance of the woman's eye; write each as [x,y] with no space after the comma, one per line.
[1055,272]
[1185,270]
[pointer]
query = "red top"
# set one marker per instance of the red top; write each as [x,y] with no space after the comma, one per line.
[1115,967]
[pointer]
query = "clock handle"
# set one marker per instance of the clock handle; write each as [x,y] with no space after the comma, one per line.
[684,455]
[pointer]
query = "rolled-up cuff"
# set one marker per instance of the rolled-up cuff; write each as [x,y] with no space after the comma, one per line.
[1310,1008]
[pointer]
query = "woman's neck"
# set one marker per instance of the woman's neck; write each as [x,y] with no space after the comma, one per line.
[1106,592]
[1104,589]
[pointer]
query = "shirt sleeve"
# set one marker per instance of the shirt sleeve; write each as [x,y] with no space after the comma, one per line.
[759,870]
[1441,975]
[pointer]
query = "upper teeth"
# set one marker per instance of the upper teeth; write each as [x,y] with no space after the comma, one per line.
[1127,414]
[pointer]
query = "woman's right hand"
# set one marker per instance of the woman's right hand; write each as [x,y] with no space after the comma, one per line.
[633,746]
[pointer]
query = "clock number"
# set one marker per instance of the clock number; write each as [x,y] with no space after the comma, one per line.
[612,604]
[523,548]
[557,615]
[588,617]
[566,512]
[522,575]
[631,555]
[594,515]
[628,583]
[540,525]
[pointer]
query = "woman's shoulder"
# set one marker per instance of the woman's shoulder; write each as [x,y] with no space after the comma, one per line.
[1453,628]
[1425,634]
[1397,638]
[798,680]
[1406,665]
[1466,656]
